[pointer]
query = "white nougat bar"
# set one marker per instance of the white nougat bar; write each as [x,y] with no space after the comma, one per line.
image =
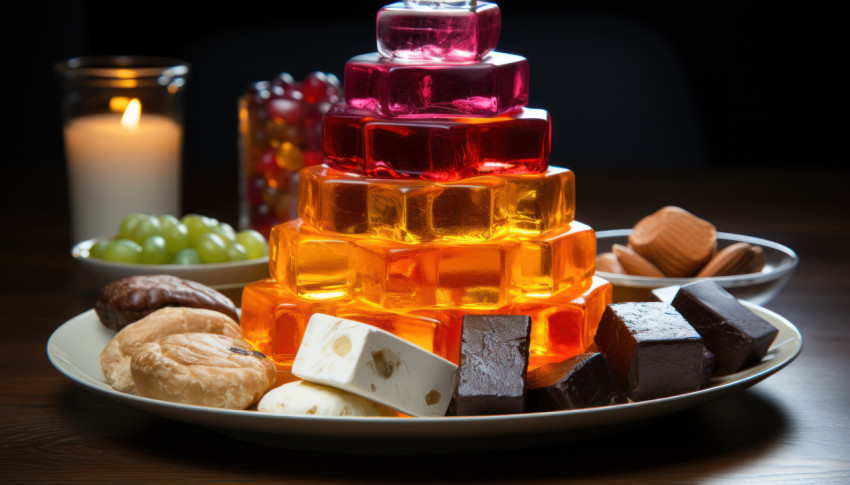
[370,362]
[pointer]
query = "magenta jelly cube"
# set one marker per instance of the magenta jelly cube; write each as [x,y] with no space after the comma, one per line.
[436,148]
[495,85]
[438,31]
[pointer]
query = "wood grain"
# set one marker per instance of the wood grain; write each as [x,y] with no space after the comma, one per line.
[791,428]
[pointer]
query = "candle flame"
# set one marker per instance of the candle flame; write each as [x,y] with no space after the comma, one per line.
[117,104]
[130,119]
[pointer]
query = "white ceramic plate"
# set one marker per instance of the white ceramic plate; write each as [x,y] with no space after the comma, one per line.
[74,349]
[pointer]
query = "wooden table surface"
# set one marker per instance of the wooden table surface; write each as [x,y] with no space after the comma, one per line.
[791,428]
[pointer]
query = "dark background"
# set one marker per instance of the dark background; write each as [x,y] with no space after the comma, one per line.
[716,84]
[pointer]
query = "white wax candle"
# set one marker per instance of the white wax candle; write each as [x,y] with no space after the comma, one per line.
[115,170]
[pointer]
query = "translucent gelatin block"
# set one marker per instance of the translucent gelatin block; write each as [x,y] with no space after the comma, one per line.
[437,149]
[411,210]
[438,30]
[312,265]
[496,84]
[273,320]
[472,275]
[469,276]
[402,210]
[555,261]
[594,300]
[541,202]
[564,326]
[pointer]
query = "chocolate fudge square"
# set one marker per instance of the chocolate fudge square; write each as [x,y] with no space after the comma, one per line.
[736,336]
[582,381]
[652,349]
[493,365]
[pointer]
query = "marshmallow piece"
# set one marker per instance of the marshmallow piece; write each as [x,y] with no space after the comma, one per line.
[375,364]
[301,398]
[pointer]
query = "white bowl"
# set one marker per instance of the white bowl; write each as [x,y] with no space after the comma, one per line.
[758,288]
[227,278]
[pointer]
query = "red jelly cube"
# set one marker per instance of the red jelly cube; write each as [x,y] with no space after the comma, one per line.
[438,32]
[437,149]
[495,85]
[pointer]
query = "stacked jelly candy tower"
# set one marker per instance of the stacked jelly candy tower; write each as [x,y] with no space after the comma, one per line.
[435,199]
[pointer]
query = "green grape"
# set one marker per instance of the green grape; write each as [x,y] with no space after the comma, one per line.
[154,251]
[211,248]
[125,231]
[187,256]
[176,237]
[98,250]
[123,251]
[254,242]
[236,252]
[226,232]
[146,227]
[167,220]
[197,225]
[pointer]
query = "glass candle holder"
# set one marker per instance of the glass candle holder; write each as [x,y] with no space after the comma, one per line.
[123,130]
[280,132]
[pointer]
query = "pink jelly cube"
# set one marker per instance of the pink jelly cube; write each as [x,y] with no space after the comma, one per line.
[437,148]
[438,31]
[495,85]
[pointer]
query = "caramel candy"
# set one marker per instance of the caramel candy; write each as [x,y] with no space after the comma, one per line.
[635,264]
[583,381]
[653,351]
[675,240]
[739,258]
[735,335]
[493,365]
[609,263]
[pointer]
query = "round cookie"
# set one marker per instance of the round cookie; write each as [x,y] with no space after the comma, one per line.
[115,357]
[202,369]
[302,398]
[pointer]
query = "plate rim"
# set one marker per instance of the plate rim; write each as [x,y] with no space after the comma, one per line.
[422,427]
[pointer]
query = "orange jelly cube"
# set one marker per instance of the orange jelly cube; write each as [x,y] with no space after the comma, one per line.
[484,274]
[410,210]
[555,261]
[308,263]
[398,276]
[564,326]
[274,320]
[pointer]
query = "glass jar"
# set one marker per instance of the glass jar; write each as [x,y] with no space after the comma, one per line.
[280,132]
[123,132]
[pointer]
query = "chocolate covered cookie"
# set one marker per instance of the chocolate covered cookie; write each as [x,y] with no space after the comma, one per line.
[130,299]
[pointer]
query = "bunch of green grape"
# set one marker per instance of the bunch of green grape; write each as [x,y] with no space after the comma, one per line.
[195,239]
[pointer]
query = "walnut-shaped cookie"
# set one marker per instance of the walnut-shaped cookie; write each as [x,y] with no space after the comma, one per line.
[202,369]
[115,357]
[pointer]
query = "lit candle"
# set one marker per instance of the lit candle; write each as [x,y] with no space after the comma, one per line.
[119,163]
